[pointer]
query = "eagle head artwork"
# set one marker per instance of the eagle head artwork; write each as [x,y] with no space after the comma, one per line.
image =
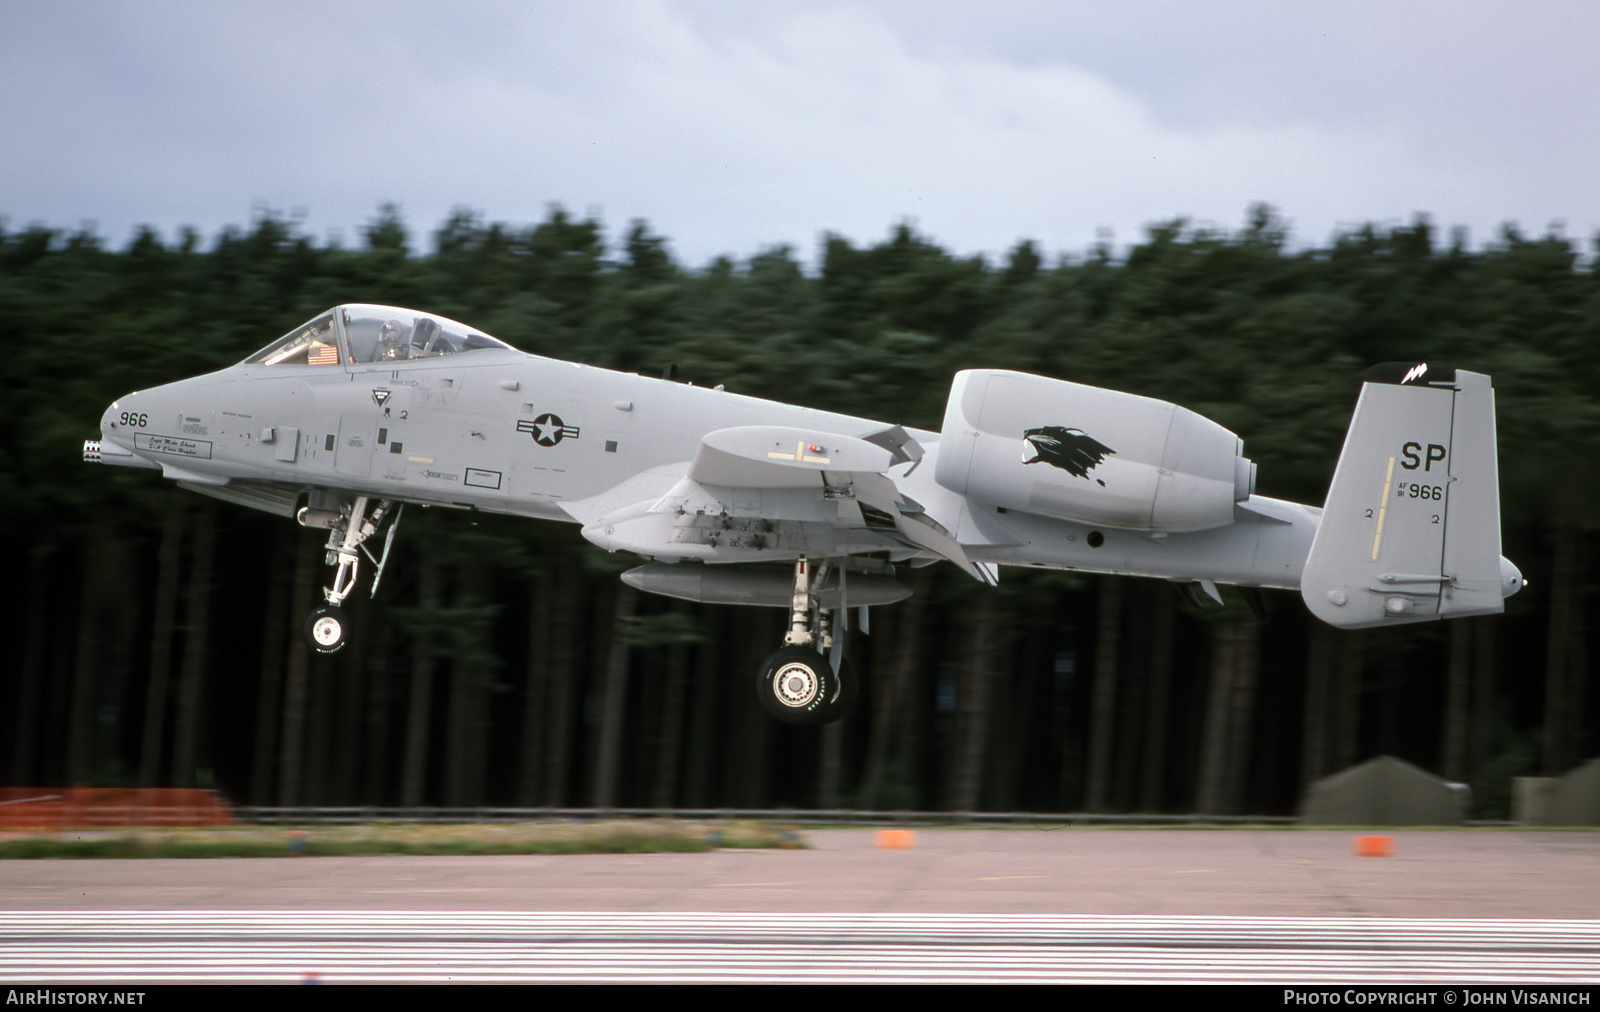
[1072,450]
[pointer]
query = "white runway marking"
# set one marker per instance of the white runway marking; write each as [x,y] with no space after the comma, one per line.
[423,946]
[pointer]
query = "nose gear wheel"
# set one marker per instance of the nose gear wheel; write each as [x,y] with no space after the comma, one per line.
[326,630]
[349,526]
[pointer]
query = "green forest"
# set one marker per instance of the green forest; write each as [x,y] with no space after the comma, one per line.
[156,633]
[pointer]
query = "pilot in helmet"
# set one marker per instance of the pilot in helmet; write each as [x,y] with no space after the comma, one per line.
[391,342]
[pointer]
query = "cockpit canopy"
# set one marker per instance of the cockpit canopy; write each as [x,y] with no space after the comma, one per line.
[357,334]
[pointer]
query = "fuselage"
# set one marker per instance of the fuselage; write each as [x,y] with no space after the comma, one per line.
[495,429]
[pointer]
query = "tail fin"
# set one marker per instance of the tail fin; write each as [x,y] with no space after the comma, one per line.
[1411,527]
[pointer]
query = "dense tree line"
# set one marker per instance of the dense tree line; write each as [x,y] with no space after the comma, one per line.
[156,633]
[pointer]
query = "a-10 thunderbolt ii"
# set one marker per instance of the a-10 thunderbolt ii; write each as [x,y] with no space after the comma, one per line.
[738,500]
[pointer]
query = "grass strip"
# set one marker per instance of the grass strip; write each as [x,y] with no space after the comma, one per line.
[614,837]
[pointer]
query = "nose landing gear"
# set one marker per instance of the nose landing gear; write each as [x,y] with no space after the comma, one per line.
[326,629]
[807,680]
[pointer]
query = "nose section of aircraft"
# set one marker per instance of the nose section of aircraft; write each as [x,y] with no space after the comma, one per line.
[119,428]
[168,426]
[108,428]
[126,416]
[1511,579]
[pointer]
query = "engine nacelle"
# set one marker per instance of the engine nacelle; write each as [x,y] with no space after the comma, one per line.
[1082,453]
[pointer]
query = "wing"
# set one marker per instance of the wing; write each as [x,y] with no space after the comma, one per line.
[770,493]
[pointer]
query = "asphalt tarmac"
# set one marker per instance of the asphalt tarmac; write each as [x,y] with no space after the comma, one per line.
[1282,873]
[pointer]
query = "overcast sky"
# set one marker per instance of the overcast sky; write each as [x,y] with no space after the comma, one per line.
[735,126]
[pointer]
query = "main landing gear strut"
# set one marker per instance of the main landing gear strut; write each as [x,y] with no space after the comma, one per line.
[808,681]
[349,526]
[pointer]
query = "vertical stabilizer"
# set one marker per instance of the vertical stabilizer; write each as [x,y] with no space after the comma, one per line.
[1411,527]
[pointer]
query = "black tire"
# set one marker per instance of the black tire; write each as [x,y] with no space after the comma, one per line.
[797,686]
[844,699]
[326,630]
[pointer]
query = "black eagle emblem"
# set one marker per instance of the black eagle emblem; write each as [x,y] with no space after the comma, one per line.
[1072,450]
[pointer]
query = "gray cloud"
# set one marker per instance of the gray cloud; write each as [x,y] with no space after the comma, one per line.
[735,126]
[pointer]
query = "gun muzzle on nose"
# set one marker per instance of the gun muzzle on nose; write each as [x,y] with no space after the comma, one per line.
[104,451]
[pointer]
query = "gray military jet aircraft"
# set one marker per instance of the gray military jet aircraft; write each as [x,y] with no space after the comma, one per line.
[737,500]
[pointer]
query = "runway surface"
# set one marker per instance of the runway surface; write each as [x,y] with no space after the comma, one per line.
[113,947]
[1094,905]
